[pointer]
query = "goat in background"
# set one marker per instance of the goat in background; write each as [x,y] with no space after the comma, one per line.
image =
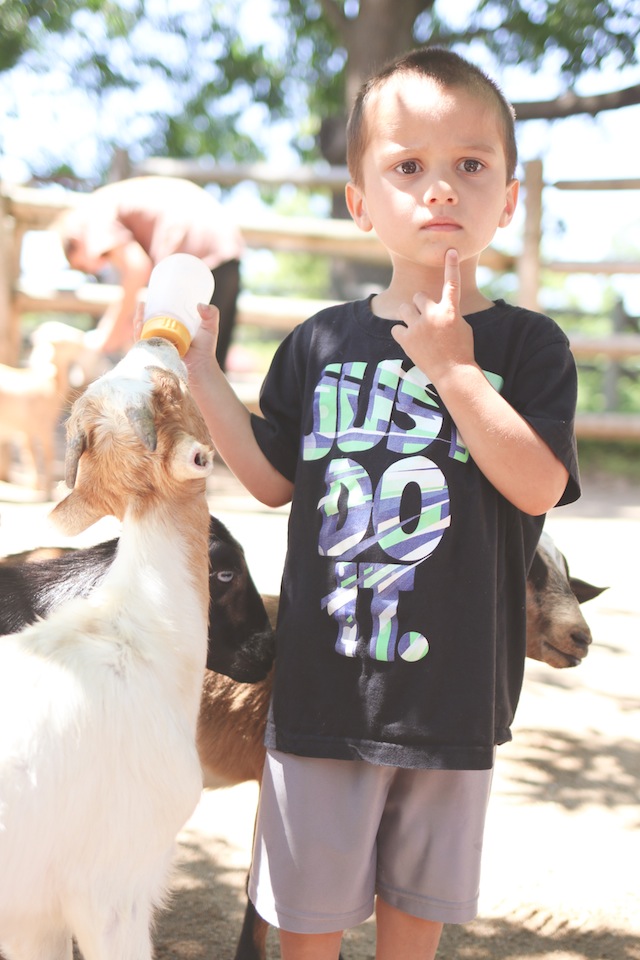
[99,702]
[33,397]
[30,408]
[69,349]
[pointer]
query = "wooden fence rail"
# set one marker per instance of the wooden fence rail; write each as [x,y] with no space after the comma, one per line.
[25,209]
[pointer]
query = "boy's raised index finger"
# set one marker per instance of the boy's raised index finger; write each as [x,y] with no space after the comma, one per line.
[451,287]
[452,283]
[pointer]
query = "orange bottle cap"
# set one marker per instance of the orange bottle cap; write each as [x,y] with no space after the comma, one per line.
[170,329]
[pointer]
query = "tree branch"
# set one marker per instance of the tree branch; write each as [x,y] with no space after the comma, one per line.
[570,104]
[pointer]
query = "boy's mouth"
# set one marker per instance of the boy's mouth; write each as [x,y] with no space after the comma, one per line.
[443,224]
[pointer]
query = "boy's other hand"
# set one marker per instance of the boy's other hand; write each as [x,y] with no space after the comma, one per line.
[436,336]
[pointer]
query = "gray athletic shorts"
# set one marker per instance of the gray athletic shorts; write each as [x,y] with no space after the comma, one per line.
[331,834]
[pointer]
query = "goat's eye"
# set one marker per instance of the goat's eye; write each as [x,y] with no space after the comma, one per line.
[225,576]
[539,572]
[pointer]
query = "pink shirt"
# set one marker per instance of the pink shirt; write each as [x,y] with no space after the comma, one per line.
[163,214]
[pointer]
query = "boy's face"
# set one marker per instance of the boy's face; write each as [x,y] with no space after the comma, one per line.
[433,172]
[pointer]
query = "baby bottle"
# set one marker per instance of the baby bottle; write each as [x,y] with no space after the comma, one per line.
[177,284]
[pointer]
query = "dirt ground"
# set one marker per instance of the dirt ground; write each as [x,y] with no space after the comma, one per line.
[561,872]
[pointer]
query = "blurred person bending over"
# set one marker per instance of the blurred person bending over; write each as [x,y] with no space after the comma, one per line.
[131,225]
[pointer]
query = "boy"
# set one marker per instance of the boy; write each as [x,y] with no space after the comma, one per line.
[421,435]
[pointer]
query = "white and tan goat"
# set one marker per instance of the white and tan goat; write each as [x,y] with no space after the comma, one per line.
[99,702]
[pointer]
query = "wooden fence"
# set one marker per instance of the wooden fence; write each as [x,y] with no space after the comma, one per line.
[25,209]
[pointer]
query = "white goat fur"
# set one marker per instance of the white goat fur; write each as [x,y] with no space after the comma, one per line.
[99,702]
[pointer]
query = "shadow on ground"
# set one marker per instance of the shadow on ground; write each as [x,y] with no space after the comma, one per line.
[205,918]
[532,936]
[574,771]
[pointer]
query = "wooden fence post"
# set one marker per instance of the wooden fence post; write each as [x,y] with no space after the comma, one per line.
[529,261]
[611,386]
[6,284]
[12,233]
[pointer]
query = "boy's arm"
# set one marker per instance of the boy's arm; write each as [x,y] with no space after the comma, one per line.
[228,420]
[513,457]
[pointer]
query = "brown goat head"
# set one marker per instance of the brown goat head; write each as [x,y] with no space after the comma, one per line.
[134,438]
[557,632]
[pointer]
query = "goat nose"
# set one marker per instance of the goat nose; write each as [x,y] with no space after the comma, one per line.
[582,638]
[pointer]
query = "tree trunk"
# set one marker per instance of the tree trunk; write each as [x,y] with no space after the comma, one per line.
[382,30]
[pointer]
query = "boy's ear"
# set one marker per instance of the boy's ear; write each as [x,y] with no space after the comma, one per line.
[511,200]
[357,206]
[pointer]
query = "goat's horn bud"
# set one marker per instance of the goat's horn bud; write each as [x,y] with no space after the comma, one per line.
[75,448]
[142,424]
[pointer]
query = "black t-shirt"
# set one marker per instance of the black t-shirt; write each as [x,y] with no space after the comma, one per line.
[401,632]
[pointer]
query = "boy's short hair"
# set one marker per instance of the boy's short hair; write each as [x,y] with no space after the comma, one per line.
[445,68]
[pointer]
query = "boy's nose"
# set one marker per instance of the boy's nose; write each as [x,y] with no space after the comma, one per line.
[440,191]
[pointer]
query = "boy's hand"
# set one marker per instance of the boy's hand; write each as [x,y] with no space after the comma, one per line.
[436,336]
[201,355]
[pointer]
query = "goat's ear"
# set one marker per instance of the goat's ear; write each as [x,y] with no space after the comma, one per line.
[191,459]
[75,514]
[141,421]
[76,445]
[584,591]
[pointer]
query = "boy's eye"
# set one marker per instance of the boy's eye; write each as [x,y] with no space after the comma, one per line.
[408,166]
[471,166]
